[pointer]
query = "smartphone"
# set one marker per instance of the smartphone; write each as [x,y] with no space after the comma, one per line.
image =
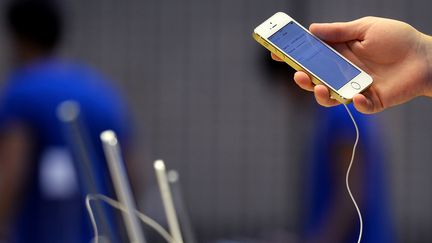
[303,51]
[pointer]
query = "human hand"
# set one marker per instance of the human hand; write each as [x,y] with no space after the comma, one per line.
[397,56]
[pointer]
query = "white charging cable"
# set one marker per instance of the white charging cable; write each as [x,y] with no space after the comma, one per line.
[145,219]
[158,228]
[348,174]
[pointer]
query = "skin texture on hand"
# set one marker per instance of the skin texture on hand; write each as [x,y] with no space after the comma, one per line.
[396,55]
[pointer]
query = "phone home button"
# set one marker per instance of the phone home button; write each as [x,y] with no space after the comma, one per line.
[355,85]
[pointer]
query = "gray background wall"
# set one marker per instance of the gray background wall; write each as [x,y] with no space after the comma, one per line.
[205,100]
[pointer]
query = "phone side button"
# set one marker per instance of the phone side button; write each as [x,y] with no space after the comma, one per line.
[355,85]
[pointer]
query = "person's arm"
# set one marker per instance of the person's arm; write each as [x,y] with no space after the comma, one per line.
[396,55]
[341,218]
[135,172]
[15,149]
[428,53]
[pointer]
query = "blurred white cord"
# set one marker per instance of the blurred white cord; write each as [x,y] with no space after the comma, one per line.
[145,219]
[348,173]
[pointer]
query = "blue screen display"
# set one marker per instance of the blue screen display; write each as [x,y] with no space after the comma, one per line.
[313,55]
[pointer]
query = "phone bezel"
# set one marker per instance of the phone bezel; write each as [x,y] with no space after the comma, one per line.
[279,20]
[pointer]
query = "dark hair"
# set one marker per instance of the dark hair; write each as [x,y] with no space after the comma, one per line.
[36,21]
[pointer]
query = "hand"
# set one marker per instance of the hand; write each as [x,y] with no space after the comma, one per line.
[397,56]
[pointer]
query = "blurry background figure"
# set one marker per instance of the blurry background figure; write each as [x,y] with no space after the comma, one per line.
[330,214]
[41,198]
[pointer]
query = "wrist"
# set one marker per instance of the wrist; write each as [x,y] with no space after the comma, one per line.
[427,53]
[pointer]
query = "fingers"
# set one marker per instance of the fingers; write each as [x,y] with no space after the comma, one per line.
[341,31]
[303,80]
[322,96]
[363,104]
[276,58]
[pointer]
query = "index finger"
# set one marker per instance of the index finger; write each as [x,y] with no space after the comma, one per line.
[276,58]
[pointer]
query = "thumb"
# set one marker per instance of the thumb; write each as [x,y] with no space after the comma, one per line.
[341,31]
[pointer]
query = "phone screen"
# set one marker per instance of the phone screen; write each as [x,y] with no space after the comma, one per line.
[313,55]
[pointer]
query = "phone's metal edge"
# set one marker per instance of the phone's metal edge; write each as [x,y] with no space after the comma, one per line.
[296,66]
[269,46]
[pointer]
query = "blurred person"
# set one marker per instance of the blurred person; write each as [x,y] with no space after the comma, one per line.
[41,199]
[396,55]
[330,216]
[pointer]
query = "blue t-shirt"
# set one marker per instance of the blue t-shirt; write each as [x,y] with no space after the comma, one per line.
[53,208]
[334,124]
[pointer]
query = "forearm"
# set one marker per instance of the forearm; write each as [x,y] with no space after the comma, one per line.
[339,221]
[7,205]
[341,217]
[426,50]
[15,147]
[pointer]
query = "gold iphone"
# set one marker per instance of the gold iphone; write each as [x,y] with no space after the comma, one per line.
[303,51]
